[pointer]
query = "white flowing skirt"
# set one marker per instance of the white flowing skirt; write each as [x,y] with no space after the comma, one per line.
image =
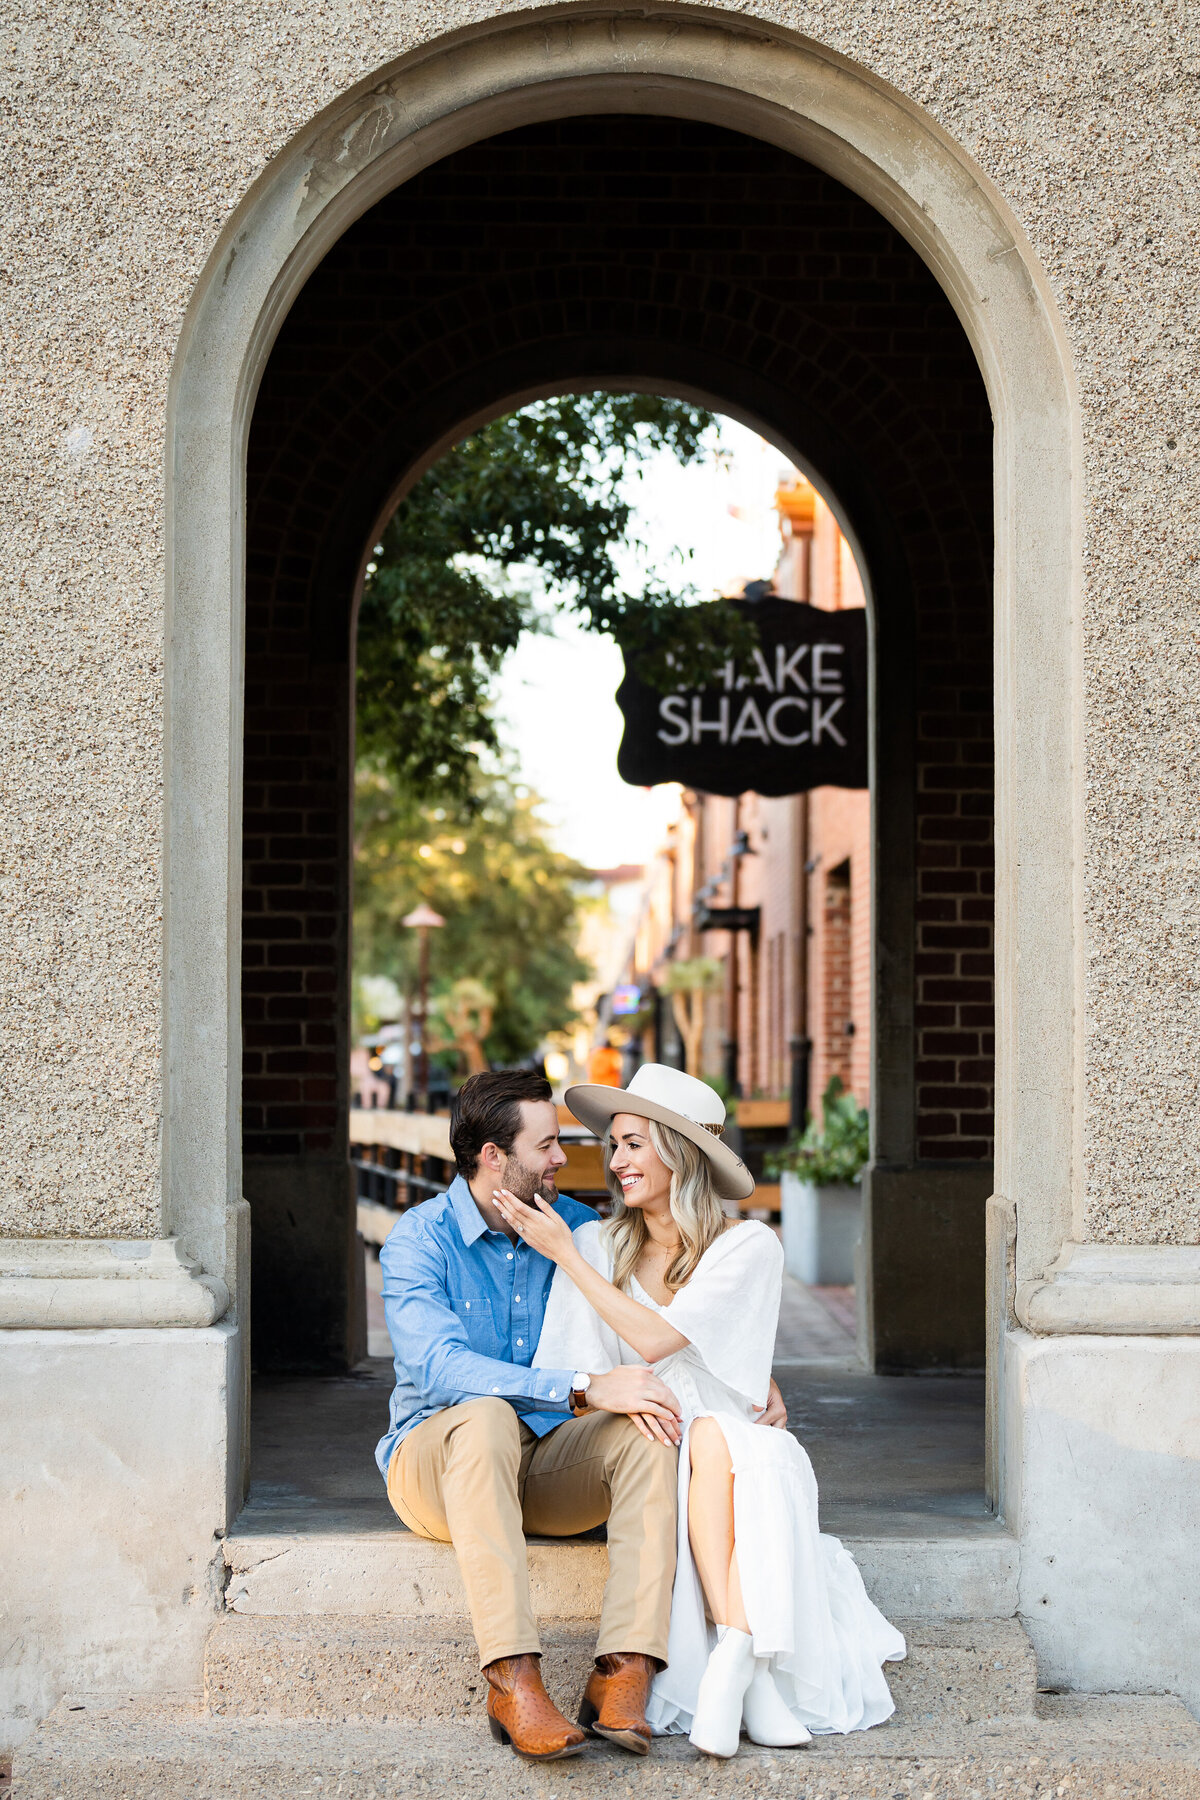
[805,1601]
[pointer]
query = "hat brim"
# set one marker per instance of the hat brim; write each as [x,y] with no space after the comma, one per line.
[596,1107]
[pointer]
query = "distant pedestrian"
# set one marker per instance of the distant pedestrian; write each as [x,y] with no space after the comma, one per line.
[604,1064]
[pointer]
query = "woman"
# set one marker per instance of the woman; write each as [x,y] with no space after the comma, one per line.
[794,1645]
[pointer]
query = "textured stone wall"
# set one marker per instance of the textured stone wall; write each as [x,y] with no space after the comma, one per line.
[132,137]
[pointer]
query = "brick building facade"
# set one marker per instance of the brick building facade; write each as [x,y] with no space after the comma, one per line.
[805,863]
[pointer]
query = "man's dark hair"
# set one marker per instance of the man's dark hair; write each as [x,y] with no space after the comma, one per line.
[487,1110]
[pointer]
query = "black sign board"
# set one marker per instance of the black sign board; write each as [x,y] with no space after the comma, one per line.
[791,716]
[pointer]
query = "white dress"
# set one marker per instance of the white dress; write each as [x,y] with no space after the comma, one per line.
[804,1597]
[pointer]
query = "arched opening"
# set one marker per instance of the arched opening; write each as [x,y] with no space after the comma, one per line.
[623,249]
[753,361]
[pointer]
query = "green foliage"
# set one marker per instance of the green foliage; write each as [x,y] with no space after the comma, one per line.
[531,503]
[837,1152]
[528,512]
[508,899]
[699,975]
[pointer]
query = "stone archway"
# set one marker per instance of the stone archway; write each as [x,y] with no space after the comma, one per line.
[665,251]
[772,87]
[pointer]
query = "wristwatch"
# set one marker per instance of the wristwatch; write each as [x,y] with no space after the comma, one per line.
[581,1381]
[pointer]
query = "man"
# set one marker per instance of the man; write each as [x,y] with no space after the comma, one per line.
[482,1448]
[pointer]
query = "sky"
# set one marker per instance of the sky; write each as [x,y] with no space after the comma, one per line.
[556,694]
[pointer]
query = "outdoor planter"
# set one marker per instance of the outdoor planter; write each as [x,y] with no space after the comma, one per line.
[821,1226]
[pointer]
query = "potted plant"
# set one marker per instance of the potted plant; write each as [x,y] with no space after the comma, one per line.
[820,1194]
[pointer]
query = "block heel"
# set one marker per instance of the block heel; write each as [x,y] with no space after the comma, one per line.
[587,1715]
[538,1730]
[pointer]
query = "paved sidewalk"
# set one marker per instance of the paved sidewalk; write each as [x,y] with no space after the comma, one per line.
[894,1455]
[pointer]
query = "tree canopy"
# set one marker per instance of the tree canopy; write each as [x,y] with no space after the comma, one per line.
[508,898]
[536,500]
[527,514]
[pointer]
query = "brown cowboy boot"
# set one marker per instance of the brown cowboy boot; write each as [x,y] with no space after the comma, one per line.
[521,1712]
[614,1701]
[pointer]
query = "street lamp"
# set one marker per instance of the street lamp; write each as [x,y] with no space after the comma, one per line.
[423,919]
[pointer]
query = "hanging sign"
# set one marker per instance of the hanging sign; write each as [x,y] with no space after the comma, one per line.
[789,717]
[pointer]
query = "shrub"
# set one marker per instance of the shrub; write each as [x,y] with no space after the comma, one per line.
[837,1152]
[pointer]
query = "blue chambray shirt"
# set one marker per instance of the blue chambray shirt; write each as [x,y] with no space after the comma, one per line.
[464,1308]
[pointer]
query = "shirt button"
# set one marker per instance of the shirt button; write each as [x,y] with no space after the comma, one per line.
[554,1393]
[517,1298]
[495,1390]
[510,1256]
[520,1341]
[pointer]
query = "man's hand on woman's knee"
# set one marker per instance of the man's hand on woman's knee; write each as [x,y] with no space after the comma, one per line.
[774,1412]
[637,1391]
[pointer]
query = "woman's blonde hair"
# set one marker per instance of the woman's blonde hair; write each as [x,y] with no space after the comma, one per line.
[695,1208]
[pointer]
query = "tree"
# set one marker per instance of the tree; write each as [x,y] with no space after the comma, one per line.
[689,983]
[533,498]
[461,1020]
[508,898]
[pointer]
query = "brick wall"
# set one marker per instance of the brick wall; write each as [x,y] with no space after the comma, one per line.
[840,909]
[834,987]
[594,248]
[294,928]
[954,1015]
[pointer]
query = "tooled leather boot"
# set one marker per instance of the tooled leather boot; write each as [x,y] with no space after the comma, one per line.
[614,1701]
[521,1712]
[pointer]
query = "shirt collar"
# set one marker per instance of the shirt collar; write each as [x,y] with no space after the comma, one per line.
[470,1220]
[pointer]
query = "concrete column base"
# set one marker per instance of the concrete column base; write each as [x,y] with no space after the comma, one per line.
[75,1283]
[121,1456]
[1102,1486]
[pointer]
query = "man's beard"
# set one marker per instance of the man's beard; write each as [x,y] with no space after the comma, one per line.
[525,1183]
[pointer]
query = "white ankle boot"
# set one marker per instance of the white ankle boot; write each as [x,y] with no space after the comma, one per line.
[766,1715]
[718,1716]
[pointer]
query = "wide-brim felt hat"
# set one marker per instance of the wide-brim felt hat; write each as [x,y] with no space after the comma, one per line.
[672,1098]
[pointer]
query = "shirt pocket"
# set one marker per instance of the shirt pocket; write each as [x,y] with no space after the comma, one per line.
[476,1318]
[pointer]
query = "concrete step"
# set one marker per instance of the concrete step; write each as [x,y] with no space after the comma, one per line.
[382,1668]
[1084,1749]
[280,1567]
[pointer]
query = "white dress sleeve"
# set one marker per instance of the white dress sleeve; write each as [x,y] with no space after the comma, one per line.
[729,1310]
[574,1336]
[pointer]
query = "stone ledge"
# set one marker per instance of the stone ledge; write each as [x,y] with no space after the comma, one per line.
[1116,1290]
[96,1284]
[277,1574]
[386,1668]
[1090,1747]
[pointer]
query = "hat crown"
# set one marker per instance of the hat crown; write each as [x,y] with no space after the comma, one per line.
[681,1093]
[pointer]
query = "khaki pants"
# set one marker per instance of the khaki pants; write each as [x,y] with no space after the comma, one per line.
[476,1477]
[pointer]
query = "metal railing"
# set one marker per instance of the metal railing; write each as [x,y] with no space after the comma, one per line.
[396,1178]
[399,1159]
